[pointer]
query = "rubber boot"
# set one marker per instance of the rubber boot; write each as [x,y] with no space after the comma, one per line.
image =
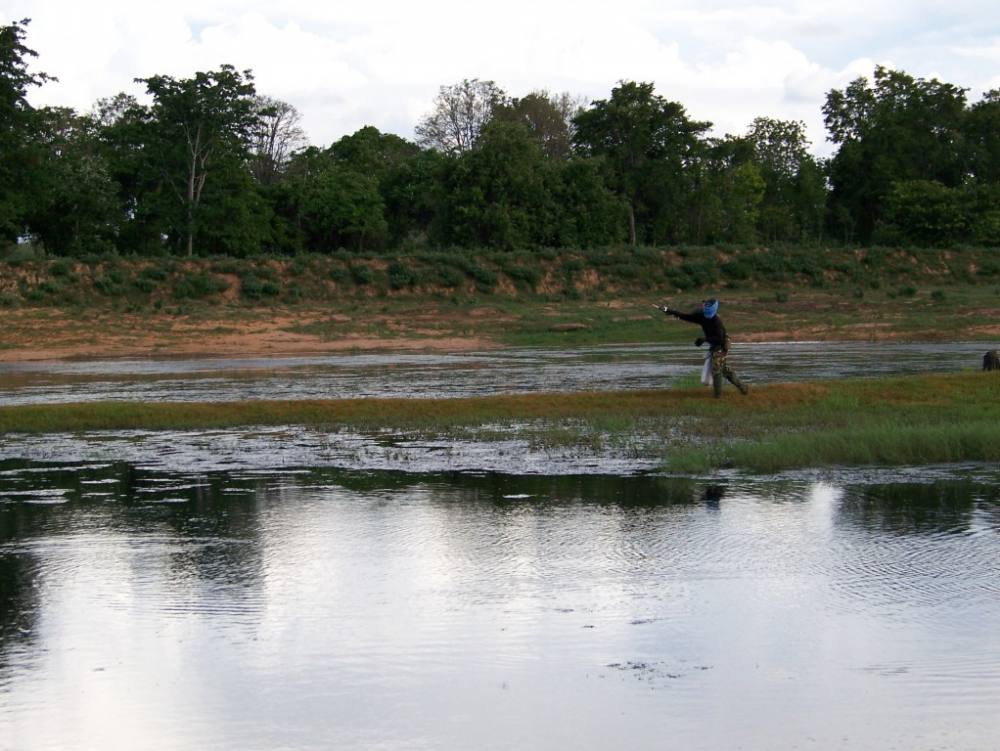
[717,384]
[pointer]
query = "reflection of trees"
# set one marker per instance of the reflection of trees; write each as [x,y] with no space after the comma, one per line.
[913,508]
[604,490]
[18,595]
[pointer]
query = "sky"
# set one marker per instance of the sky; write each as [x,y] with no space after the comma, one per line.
[345,65]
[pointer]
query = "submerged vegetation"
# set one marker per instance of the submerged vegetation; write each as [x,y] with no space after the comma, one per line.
[900,420]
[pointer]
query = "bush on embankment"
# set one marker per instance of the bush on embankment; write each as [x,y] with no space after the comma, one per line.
[547,274]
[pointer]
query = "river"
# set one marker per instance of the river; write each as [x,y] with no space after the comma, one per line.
[286,588]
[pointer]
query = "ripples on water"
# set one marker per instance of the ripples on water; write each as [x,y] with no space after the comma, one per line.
[320,608]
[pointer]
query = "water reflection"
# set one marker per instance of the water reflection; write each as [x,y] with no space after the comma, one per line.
[919,508]
[318,608]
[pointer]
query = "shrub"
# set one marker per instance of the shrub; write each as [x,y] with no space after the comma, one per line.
[61,268]
[197,286]
[401,276]
[738,268]
[226,266]
[988,268]
[362,274]
[109,284]
[51,288]
[251,287]
[523,274]
[154,273]
[450,276]
[145,284]
[485,278]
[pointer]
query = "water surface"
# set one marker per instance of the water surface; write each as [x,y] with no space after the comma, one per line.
[321,608]
[461,374]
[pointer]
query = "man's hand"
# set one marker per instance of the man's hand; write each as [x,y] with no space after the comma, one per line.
[699,341]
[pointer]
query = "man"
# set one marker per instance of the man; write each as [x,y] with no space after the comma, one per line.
[718,341]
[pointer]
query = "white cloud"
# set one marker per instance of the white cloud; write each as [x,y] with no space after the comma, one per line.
[346,64]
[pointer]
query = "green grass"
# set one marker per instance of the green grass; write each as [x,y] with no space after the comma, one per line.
[888,421]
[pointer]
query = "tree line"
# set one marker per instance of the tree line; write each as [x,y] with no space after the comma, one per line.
[211,166]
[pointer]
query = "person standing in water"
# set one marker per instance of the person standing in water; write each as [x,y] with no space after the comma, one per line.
[717,338]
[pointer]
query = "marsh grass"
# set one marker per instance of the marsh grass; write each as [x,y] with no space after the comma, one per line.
[902,420]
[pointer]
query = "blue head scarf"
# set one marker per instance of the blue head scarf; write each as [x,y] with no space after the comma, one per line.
[710,308]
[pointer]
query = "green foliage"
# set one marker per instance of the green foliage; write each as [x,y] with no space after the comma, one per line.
[895,130]
[362,274]
[196,286]
[255,285]
[497,195]
[192,173]
[110,284]
[400,275]
[334,205]
[923,212]
[19,173]
[645,141]
[197,133]
[61,268]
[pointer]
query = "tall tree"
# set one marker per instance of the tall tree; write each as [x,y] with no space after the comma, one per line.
[332,205]
[498,195]
[18,124]
[726,195]
[274,137]
[369,151]
[647,142]
[894,129]
[548,117]
[460,112]
[982,131]
[407,176]
[147,211]
[76,210]
[794,192]
[199,125]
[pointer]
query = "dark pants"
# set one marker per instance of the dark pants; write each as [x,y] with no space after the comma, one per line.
[720,369]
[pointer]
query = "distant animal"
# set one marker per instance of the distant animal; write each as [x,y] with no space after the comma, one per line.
[991,360]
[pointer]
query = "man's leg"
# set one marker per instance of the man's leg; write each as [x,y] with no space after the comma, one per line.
[718,368]
[734,379]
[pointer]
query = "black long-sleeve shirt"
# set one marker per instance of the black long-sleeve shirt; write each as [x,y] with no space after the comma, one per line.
[715,331]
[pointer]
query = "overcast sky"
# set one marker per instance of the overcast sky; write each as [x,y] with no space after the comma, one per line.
[381,62]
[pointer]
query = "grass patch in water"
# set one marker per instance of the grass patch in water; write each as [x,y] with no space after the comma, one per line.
[891,444]
[900,420]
